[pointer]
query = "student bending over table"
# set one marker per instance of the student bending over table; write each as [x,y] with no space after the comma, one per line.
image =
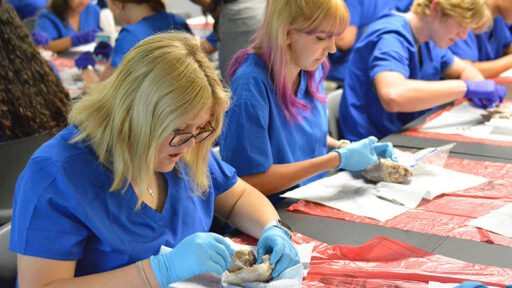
[32,98]
[276,130]
[394,72]
[490,51]
[69,23]
[136,171]
[141,19]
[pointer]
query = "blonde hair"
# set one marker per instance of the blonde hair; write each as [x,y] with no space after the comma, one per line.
[474,13]
[162,83]
[308,16]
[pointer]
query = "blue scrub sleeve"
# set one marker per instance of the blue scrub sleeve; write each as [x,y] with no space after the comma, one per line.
[222,174]
[466,49]
[125,41]
[46,23]
[212,39]
[45,222]
[354,8]
[447,59]
[389,55]
[245,142]
[507,37]
[182,25]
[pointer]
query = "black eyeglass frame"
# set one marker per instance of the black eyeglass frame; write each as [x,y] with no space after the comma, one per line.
[192,135]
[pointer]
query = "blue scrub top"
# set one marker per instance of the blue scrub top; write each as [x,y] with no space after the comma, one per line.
[63,209]
[256,132]
[132,34]
[388,45]
[27,8]
[49,23]
[403,5]
[212,39]
[362,14]
[485,46]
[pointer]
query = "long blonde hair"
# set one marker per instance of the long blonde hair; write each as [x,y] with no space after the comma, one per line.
[163,82]
[474,13]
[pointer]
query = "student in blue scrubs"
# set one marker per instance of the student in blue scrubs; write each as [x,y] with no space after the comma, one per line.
[394,72]
[69,23]
[140,20]
[32,98]
[276,129]
[136,171]
[362,13]
[489,51]
[27,8]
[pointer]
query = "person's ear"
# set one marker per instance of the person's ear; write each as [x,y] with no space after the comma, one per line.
[435,9]
[288,36]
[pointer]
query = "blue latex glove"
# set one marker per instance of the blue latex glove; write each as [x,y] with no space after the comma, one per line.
[84,37]
[84,59]
[40,38]
[358,155]
[276,241]
[485,94]
[471,284]
[385,150]
[198,253]
[103,49]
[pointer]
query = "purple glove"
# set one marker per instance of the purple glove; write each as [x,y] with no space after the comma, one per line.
[103,49]
[84,37]
[85,59]
[485,94]
[40,38]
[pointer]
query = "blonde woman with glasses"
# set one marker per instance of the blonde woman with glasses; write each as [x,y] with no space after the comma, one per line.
[134,172]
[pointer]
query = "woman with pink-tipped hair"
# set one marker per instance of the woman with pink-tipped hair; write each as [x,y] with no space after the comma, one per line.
[276,129]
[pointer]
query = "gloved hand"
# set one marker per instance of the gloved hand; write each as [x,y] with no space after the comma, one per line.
[84,59]
[40,38]
[103,49]
[84,37]
[471,284]
[485,94]
[276,241]
[196,254]
[357,155]
[385,150]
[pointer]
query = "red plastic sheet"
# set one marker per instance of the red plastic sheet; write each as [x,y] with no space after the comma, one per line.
[63,64]
[384,262]
[451,137]
[447,214]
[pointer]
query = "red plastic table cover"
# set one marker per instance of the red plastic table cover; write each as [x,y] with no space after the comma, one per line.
[446,215]
[383,262]
[451,137]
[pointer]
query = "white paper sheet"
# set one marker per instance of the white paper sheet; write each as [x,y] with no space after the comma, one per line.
[498,221]
[433,284]
[506,74]
[465,119]
[83,48]
[353,196]
[349,192]
[288,279]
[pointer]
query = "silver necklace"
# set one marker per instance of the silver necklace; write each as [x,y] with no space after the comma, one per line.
[150,191]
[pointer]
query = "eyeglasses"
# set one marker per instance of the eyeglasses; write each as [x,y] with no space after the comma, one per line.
[180,138]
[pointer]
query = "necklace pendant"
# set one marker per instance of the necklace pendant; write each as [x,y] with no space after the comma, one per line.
[150,191]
